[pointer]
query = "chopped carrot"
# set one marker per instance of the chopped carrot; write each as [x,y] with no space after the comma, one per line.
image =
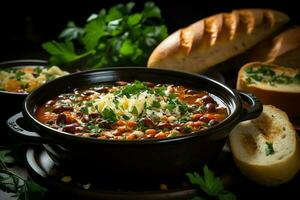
[150,131]
[197,123]
[12,86]
[121,122]
[131,137]
[161,135]
[27,69]
[131,123]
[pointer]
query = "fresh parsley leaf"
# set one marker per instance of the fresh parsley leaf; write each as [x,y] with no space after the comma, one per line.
[19,74]
[171,106]
[269,149]
[84,110]
[37,70]
[109,115]
[160,91]
[210,184]
[71,32]
[63,52]
[117,37]
[187,129]
[125,117]
[133,89]
[134,111]
[12,183]
[156,104]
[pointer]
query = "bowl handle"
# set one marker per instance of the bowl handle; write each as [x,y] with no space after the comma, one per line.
[255,106]
[22,134]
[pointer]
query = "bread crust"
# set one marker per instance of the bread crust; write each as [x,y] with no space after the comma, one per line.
[284,49]
[288,101]
[215,39]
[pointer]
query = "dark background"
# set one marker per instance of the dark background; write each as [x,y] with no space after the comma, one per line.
[27,24]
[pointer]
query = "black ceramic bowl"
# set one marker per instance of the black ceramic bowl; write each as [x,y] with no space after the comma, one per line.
[11,102]
[135,159]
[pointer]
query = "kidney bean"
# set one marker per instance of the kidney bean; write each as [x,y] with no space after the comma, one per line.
[60,109]
[70,128]
[149,84]
[94,115]
[187,91]
[85,118]
[49,103]
[102,90]
[88,93]
[204,119]
[148,122]
[180,129]
[162,125]
[61,119]
[208,99]
[211,107]
[121,83]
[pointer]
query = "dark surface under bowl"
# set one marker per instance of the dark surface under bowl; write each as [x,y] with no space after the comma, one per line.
[146,159]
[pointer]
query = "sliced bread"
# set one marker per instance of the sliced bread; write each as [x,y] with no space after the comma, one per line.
[266,149]
[272,84]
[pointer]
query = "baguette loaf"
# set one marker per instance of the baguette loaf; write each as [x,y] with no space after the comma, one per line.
[266,149]
[284,49]
[215,39]
[279,86]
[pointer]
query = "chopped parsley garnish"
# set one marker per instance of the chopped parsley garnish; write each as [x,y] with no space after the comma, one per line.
[132,89]
[134,111]
[269,149]
[19,74]
[109,115]
[84,110]
[37,70]
[125,117]
[160,91]
[50,77]
[187,129]
[266,75]
[156,104]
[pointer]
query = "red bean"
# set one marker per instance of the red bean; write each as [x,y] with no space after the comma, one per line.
[211,107]
[162,125]
[61,119]
[208,99]
[102,90]
[94,115]
[190,91]
[121,83]
[85,118]
[49,103]
[148,122]
[149,84]
[70,128]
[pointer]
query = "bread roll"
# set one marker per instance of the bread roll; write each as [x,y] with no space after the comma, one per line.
[284,49]
[266,149]
[285,95]
[215,39]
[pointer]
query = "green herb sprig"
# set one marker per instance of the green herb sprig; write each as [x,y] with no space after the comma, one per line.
[265,74]
[11,182]
[210,184]
[114,37]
